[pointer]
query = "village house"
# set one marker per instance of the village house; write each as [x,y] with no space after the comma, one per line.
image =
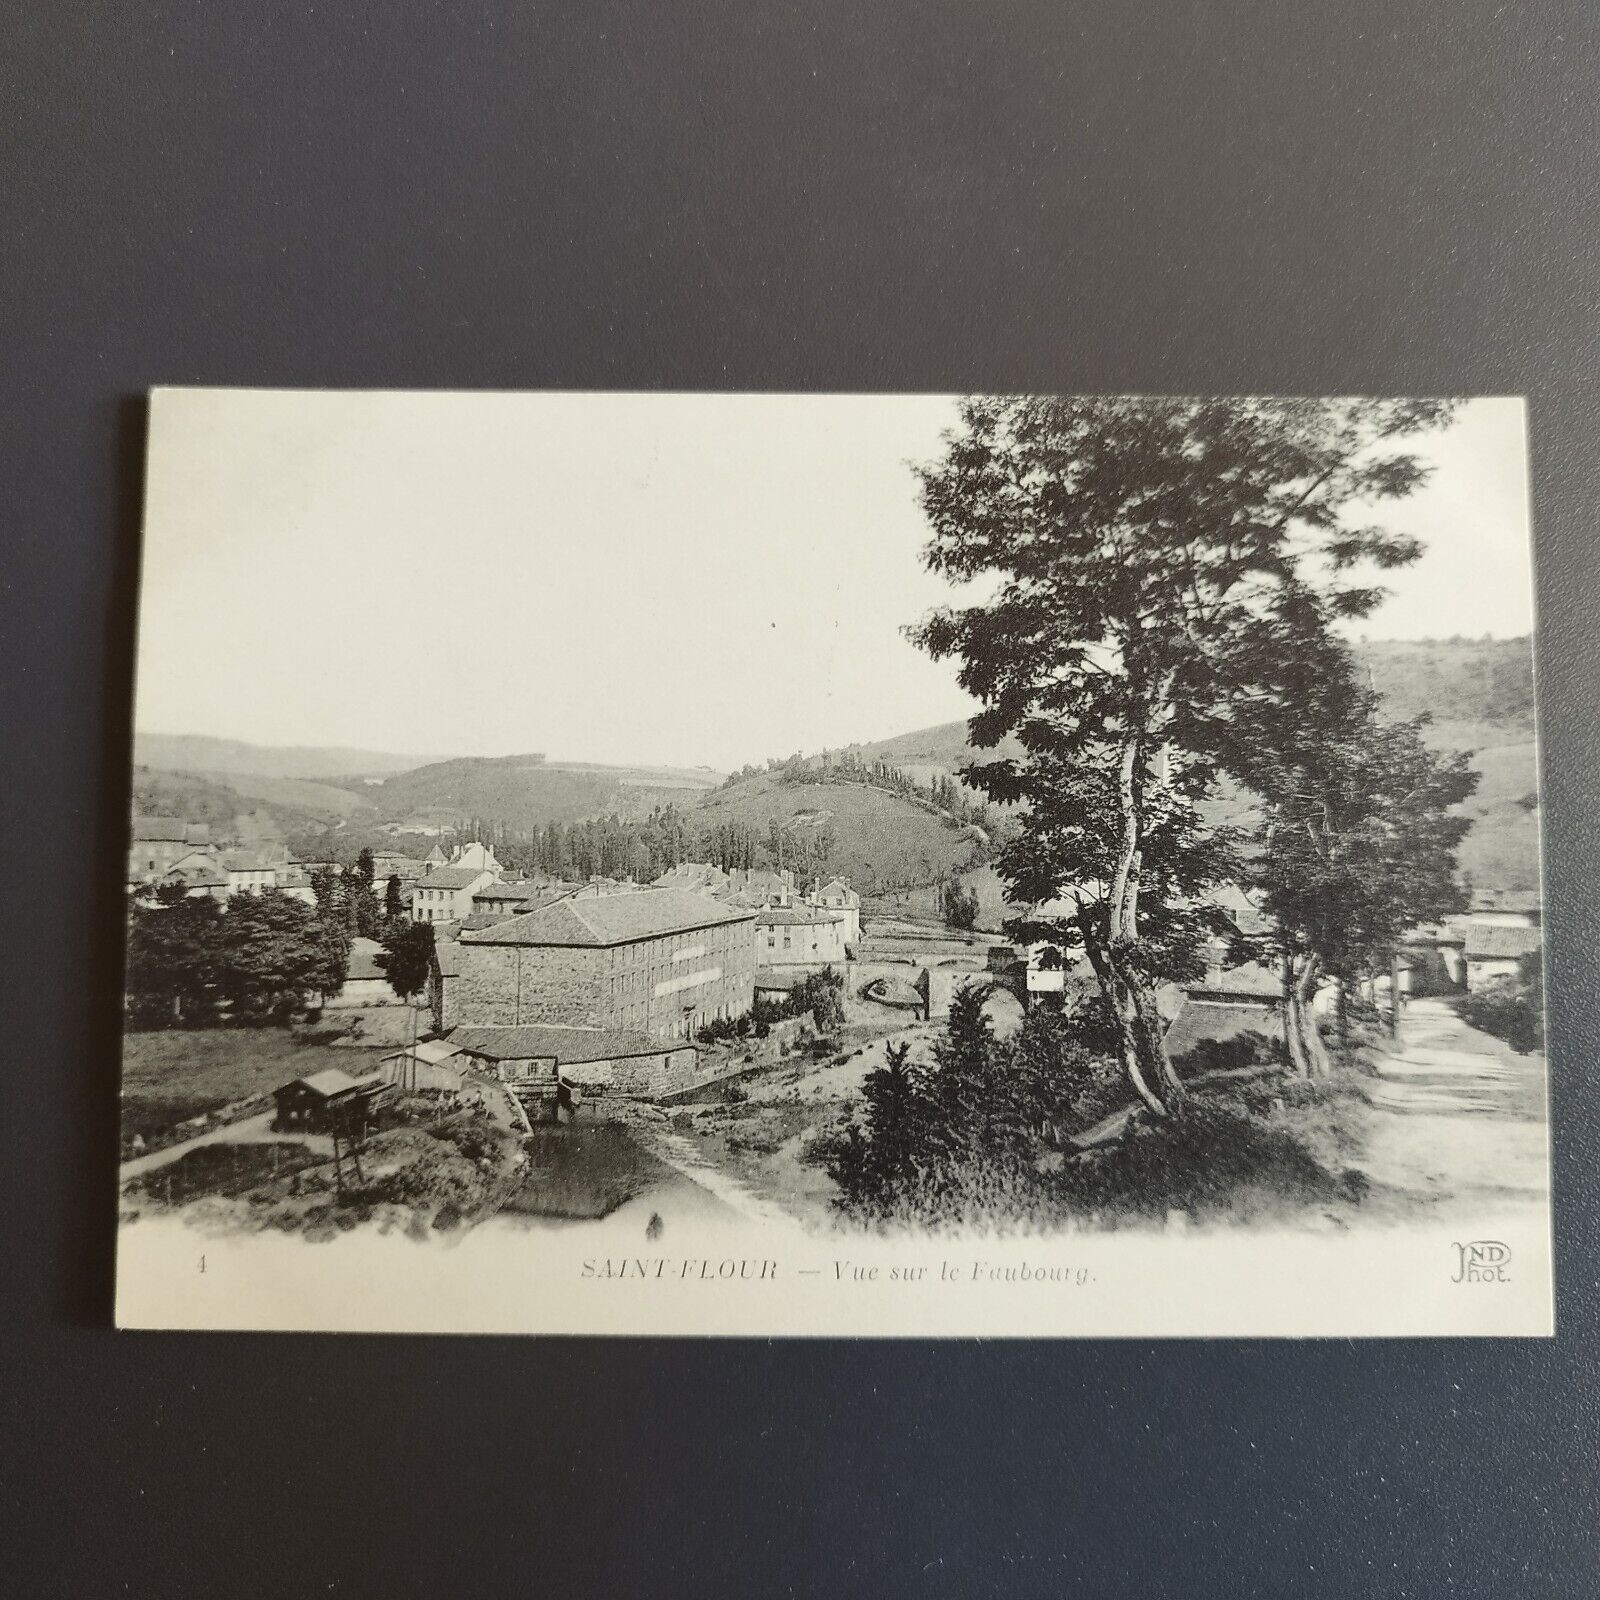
[445,894]
[387,864]
[1496,947]
[798,936]
[296,884]
[248,871]
[838,897]
[597,1060]
[199,877]
[157,844]
[518,896]
[1476,948]
[474,854]
[659,961]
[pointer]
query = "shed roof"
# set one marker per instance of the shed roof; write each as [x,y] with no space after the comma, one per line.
[200,875]
[447,953]
[563,1045]
[1201,1020]
[1496,943]
[610,919]
[247,861]
[451,877]
[788,916]
[508,891]
[1249,980]
[329,1082]
[431,1051]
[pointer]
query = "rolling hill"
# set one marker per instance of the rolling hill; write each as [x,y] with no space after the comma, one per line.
[525,792]
[1479,693]
[227,758]
[879,838]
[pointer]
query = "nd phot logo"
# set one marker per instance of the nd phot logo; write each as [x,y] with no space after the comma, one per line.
[1482,1261]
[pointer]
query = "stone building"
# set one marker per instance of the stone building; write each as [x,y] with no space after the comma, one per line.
[838,897]
[445,895]
[249,871]
[603,1060]
[661,961]
[444,994]
[157,844]
[798,936]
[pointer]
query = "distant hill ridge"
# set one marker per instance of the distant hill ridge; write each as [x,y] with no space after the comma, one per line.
[1455,681]
[195,752]
[1479,693]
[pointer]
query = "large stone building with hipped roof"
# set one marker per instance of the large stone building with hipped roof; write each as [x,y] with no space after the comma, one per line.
[663,962]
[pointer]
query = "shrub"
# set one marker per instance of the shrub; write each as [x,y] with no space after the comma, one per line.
[1509,1010]
[1231,1055]
[1216,1160]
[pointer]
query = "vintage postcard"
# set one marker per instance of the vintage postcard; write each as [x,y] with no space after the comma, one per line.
[823,864]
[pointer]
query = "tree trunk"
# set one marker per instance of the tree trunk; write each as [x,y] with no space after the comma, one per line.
[1306,1049]
[1128,991]
[1293,1040]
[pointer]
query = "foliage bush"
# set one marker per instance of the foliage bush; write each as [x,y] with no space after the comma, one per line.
[985,1134]
[1510,1010]
[1214,1161]
[1249,1049]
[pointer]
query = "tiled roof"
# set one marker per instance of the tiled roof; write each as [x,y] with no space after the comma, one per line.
[451,877]
[1249,980]
[448,954]
[329,1081]
[247,861]
[1495,943]
[789,916]
[560,1044]
[484,919]
[508,891]
[202,876]
[430,1050]
[610,919]
[541,898]
[1203,1020]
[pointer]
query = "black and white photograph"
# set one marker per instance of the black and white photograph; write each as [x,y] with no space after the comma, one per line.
[791,863]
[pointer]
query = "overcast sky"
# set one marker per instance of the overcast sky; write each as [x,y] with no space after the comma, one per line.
[683,579]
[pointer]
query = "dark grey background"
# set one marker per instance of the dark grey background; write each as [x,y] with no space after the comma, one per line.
[1380,197]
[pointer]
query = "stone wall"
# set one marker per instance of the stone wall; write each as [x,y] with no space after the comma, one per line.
[667,988]
[505,985]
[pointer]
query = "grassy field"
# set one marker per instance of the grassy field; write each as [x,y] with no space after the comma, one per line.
[169,1077]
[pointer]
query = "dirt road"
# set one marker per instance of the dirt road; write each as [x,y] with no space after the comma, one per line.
[251,1130]
[1457,1116]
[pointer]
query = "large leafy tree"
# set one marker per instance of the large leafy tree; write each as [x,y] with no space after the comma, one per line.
[1357,842]
[407,957]
[1161,580]
[172,958]
[272,954]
